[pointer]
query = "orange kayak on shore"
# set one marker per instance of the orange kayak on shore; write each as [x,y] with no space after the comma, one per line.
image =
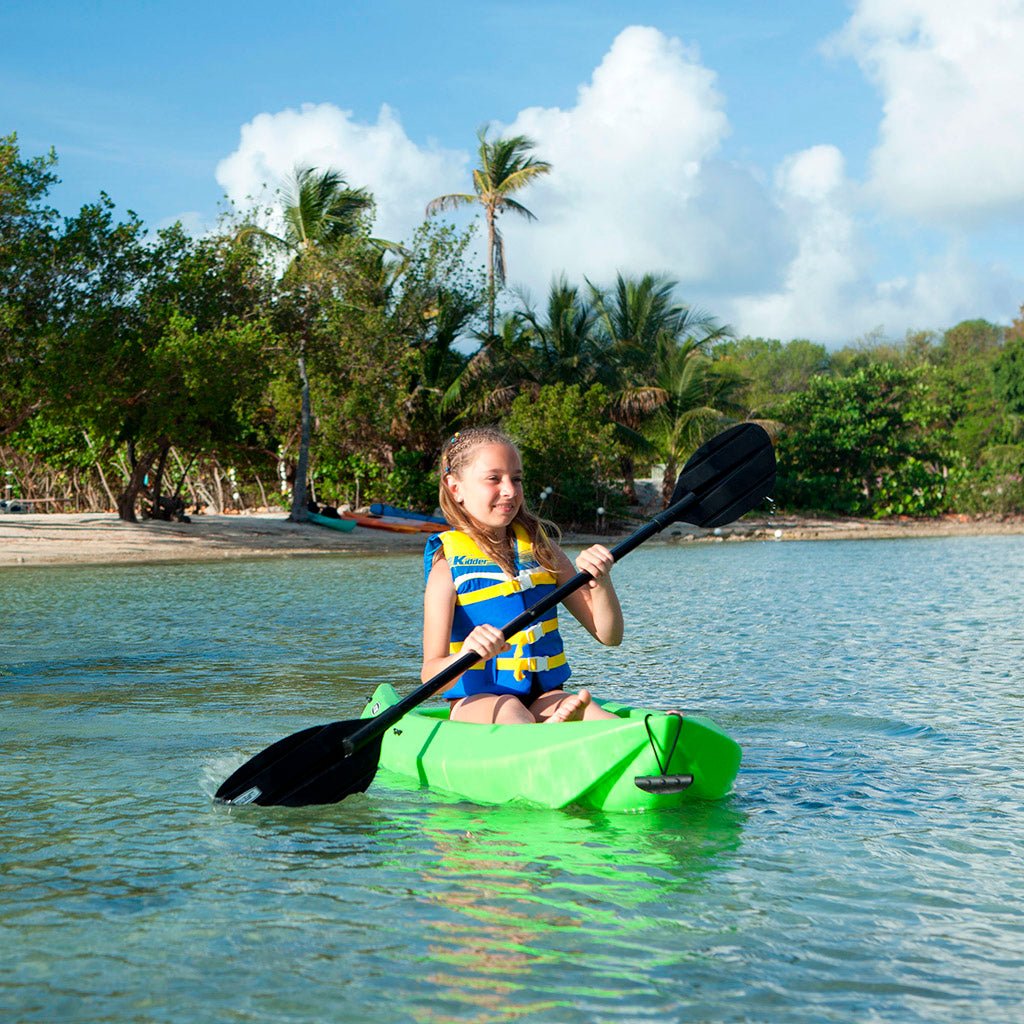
[385,523]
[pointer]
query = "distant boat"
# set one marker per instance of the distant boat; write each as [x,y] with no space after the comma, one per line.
[380,509]
[332,522]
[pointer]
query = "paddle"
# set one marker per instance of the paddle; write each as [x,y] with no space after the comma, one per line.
[726,477]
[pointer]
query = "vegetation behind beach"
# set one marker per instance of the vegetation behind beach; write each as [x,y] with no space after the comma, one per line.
[158,371]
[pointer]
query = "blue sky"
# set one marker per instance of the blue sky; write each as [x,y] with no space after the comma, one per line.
[817,170]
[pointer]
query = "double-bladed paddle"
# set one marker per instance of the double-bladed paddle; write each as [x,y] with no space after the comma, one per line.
[323,764]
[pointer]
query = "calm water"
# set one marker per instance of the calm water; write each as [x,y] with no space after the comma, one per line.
[867,867]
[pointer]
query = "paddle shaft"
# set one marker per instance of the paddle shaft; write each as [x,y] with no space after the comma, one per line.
[376,726]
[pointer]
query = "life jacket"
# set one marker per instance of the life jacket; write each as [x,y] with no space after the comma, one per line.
[484,593]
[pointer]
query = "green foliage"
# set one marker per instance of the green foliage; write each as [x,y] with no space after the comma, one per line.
[359,481]
[773,370]
[567,443]
[868,444]
[119,346]
[1008,377]
[971,340]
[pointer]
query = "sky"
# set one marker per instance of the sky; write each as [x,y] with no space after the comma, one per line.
[827,170]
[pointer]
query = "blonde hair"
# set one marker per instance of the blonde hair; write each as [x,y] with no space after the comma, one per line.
[456,455]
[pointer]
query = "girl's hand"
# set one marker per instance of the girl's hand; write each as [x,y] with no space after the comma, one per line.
[597,561]
[486,641]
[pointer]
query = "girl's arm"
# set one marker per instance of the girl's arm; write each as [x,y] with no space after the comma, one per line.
[596,605]
[438,611]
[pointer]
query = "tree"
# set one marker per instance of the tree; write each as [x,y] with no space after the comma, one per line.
[773,370]
[321,215]
[691,397]
[166,348]
[873,443]
[506,166]
[567,443]
[971,340]
[30,266]
[564,344]
[1008,374]
[634,317]
[397,328]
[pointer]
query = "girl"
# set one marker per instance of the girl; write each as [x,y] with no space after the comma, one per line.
[495,562]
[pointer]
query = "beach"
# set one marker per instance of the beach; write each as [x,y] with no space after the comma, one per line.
[37,539]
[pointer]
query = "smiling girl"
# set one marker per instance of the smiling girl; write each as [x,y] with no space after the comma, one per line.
[495,562]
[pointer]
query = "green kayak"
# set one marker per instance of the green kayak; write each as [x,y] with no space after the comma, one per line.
[642,760]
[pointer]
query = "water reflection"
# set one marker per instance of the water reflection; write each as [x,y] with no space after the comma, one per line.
[517,895]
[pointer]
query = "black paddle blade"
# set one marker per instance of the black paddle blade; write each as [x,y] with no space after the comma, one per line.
[307,767]
[728,476]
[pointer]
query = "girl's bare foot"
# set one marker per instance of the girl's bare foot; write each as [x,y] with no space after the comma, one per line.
[571,709]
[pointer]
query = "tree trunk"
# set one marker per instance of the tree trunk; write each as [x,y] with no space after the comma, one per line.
[127,498]
[628,468]
[668,483]
[491,290]
[155,511]
[298,512]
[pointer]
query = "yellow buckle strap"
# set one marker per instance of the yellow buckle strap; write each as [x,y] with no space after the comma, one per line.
[526,580]
[532,635]
[520,666]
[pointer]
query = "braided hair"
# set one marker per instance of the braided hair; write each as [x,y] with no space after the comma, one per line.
[456,454]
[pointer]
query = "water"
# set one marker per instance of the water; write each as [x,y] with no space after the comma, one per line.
[867,868]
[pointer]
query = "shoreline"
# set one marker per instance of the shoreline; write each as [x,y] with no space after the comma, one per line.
[55,539]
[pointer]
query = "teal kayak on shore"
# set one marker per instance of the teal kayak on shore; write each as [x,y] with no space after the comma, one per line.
[332,522]
[640,760]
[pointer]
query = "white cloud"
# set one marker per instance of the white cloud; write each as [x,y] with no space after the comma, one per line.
[824,274]
[634,167]
[830,294]
[402,176]
[951,78]
[639,183]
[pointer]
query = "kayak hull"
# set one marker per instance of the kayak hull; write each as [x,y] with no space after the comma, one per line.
[344,525]
[585,764]
[378,523]
[381,509]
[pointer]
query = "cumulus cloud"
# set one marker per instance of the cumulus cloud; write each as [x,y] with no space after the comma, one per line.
[402,175]
[637,183]
[640,182]
[823,276]
[951,78]
[830,292]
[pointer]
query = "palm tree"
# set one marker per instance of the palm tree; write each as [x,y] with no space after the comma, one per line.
[690,398]
[506,166]
[637,317]
[320,213]
[565,347]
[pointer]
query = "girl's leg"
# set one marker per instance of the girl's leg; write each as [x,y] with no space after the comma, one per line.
[491,709]
[559,706]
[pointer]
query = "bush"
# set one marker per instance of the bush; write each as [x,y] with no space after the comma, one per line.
[568,444]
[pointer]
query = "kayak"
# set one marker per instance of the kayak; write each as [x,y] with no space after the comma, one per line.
[376,523]
[379,508]
[345,525]
[641,760]
[394,524]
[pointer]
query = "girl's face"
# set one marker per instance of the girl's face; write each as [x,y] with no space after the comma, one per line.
[490,487]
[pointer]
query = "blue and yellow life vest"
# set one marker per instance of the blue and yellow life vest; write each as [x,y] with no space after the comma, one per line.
[484,593]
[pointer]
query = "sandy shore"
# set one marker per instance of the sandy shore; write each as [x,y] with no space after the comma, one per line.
[100,539]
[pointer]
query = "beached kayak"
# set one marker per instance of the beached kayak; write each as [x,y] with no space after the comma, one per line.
[345,525]
[379,508]
[394,525]
[612,765]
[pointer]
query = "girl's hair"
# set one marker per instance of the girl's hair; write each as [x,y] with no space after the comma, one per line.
[456,454]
